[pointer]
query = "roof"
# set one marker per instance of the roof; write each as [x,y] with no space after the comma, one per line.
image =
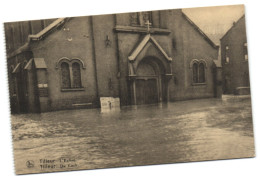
[217,63]
[43,32]
[142,44]
[28,66]
[200,31]
[16,69]
[39,63]
[38,36]
[233,26]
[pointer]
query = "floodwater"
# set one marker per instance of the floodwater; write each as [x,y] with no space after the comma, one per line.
[194,130]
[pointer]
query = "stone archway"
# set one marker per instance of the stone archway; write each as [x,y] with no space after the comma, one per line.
[149,72]
[149,84]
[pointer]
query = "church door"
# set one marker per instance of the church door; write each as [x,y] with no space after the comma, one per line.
[146,92]
[148,83]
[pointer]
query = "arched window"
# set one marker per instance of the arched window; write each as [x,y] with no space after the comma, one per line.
[70,70]
[140,18]
[201,73]
[198,71]
[195,73]
[65,75]
[76,75]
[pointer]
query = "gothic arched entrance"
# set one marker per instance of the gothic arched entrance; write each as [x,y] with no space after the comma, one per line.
[149,82]
[149,72]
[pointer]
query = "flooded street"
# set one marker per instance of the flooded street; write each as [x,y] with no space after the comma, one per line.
[183,131]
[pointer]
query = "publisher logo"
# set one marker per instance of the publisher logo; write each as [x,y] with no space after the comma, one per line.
[30,164]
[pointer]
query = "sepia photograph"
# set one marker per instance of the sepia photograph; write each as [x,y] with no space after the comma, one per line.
[129,89]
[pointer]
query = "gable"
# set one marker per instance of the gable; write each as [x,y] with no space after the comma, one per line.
[148,38]
[47,30]
[239,21]
[200,32]
[38,36]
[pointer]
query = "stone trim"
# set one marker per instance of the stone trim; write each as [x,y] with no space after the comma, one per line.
[140,29]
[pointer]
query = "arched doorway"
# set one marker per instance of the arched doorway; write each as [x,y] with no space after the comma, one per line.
[149,82]
[149,72]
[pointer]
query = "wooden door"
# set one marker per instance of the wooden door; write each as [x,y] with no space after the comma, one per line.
[146,91]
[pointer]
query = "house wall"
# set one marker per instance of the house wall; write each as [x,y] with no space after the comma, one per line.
[237,68]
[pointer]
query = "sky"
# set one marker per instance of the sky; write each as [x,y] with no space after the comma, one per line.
[215,21]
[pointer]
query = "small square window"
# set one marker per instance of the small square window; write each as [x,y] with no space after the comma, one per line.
[227,59]
[246,57]
[227,55]
[245,52]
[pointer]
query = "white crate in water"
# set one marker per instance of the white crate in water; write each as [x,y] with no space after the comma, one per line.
[109,104]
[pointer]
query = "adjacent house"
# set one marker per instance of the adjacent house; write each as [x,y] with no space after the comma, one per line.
[234,58]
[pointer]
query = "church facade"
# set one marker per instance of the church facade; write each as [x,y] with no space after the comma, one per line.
[142,58]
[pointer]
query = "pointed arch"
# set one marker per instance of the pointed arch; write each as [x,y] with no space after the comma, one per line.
[70,71]
[68,60]
[198,71]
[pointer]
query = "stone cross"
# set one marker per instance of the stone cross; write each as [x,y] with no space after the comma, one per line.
[148,26]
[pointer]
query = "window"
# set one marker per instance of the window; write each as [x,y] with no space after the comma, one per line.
[76,75]
[227,55]
[245,52]
[201,73]
[195,73]
[65,75]
[134,19]
[140,18]
[146,16]
[198,71]
[70,70]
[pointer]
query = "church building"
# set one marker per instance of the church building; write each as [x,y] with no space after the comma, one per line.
[141,58]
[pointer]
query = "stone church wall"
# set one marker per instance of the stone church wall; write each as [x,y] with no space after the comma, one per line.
[189,45]
[196,47]
[106,55]
[68,42]
[104,51]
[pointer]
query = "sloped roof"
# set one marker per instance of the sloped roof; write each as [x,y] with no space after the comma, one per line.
[38,36]
[16,69]
[39,63]
[143,43]
[28,66]
[200,31]
[43,32]
[233,26]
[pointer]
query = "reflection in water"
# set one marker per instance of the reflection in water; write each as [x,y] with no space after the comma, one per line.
[136,135]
